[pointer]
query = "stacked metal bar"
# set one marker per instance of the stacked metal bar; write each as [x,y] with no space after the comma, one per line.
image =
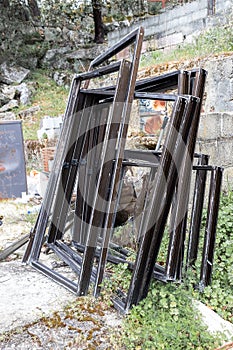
[77,217]
[169,197]
[91,143]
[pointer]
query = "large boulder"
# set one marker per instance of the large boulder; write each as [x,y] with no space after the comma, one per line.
[75,60]
[10,73]
[25,93]
[22,92]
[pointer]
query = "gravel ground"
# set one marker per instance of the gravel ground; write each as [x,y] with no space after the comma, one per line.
[37,313]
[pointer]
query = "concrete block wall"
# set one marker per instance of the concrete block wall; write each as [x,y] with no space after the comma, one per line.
[215,136]
[222,6]
[219,85]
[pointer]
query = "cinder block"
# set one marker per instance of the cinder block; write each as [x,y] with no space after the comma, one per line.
[225,151]
[210,126]
[222,5]
[169,40]
[199,14]
[227,124]
[227,178]
[210,148]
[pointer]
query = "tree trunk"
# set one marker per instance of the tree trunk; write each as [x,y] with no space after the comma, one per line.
[34,9]
[99,28]
[4,3]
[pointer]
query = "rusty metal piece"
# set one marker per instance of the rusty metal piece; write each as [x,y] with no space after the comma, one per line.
[13,247]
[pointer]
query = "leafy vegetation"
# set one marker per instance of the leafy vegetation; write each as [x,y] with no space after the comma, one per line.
[216,40]
[167,319]
[219,294]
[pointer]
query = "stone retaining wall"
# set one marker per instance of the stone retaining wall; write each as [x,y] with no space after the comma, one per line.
[176,25]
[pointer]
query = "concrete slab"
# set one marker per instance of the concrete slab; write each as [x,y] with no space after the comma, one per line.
[26,295]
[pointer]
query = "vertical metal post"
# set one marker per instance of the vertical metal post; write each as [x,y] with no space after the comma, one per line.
[177,235]
[211,226]
[196,215]
[95,220]
[69,170]
[119,132]
[180,201]
[88,172]
[163,190]
[37,236]
[211,7]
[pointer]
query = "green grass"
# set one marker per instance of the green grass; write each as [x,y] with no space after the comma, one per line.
[49,97]
[214,41]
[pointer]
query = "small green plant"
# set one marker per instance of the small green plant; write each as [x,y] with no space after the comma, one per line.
[165,320]
[219,294]
[118,278]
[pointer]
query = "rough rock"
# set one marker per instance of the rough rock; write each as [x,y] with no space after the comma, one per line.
[10,105]
[52,34]
[54,57]
[25,93]
[65,58]
[62,79]
[32,62]
[29,112]
[9,91]
[74,36]
[7,116]
[10,73]
[3,99]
